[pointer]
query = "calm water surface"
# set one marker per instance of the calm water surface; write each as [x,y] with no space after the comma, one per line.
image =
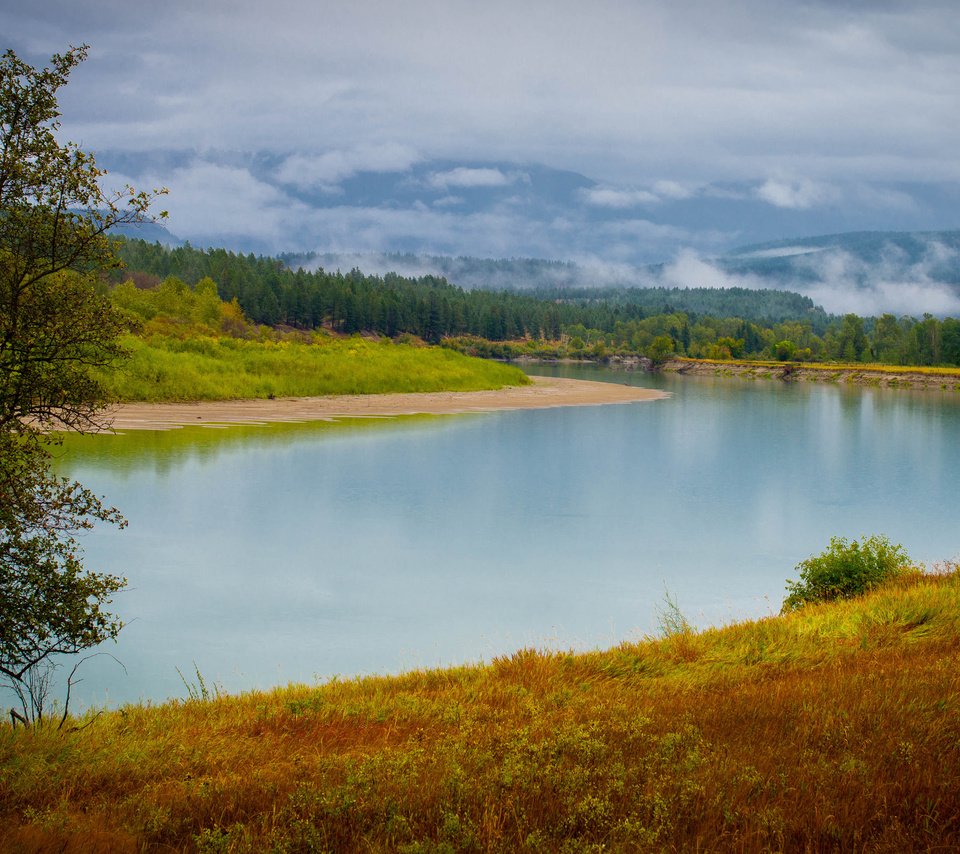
[282,553]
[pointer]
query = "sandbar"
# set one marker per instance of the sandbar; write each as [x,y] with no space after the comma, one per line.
[544,393]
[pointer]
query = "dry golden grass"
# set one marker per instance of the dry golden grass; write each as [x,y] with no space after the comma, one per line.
[834,728]
[859,367]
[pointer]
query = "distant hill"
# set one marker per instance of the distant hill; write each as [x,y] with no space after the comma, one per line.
[514,274]
[764,305]
[867,272]
[866,255]
[563,281]
[151,232]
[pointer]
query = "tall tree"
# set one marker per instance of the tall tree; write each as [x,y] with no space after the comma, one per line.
[54,327]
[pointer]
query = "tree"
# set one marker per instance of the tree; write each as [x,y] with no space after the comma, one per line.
[55,326]
[851,339]
[887,340]
[49,605]
[950,341]
[661,349]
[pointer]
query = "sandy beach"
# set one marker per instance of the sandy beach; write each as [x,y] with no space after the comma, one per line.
[545,392]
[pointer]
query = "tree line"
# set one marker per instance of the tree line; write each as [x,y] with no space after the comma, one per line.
[696,322]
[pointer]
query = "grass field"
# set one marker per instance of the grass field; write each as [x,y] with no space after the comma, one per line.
[166,368]
[836,727]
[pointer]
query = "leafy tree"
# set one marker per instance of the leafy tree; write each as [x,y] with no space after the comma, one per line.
[927,337]
[661,349]
[733,345]
[950,341]
[845,569]
[48,604]
[887,340]
[851,339]
[54,326]
[784,351]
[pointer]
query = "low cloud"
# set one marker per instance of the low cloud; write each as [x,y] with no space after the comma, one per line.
[326,170]
[621,198]
[782,252]
[689,270]
[842,283]
[673,190]
[846,283]
[796,195]
[838,281]
[805,194]
[469,178]
[894,297]
[373,263]
[607,197]
[212,202]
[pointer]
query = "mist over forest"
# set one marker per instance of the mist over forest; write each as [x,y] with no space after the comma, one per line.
[866,273]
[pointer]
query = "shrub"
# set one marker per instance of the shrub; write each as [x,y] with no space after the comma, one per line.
[845,569]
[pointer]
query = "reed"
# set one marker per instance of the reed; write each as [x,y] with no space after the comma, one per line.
[836,727]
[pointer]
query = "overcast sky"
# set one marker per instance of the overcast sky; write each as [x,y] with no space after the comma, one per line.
[694,124]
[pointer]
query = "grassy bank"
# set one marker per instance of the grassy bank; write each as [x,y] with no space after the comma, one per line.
[836,727]
[884,376]
[861,367]
[206,367]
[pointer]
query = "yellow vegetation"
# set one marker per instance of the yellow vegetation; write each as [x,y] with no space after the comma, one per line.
[859,367]
[190,345]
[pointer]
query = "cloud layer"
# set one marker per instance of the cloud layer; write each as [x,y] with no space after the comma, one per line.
[624,131]
[623,91]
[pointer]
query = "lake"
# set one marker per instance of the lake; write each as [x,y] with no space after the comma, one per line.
[264,555]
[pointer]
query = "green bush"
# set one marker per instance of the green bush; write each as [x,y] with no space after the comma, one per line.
[845,569]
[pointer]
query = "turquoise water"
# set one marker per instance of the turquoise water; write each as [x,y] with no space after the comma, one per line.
[291,553]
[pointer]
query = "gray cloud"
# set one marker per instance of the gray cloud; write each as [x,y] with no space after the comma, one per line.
[327,169]
[689,270]
[465,177]
[837,280]
[845,283]
[800,194]
[621,90]
[794,107]
[611,197]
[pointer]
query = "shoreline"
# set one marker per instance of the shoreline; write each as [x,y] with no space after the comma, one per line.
[544,393]
[881,376]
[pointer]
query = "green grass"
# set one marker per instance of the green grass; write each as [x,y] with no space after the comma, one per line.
[835,727]
[164,368]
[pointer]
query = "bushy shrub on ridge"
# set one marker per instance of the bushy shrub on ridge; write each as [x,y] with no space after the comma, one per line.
[846,569]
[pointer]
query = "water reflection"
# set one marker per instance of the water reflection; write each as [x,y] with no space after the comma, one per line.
[162,451]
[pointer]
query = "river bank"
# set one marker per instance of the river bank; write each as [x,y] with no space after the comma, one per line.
[543,393]
[831,728]
[884,376]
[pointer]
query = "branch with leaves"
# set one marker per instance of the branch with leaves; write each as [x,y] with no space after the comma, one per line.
[55,326]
